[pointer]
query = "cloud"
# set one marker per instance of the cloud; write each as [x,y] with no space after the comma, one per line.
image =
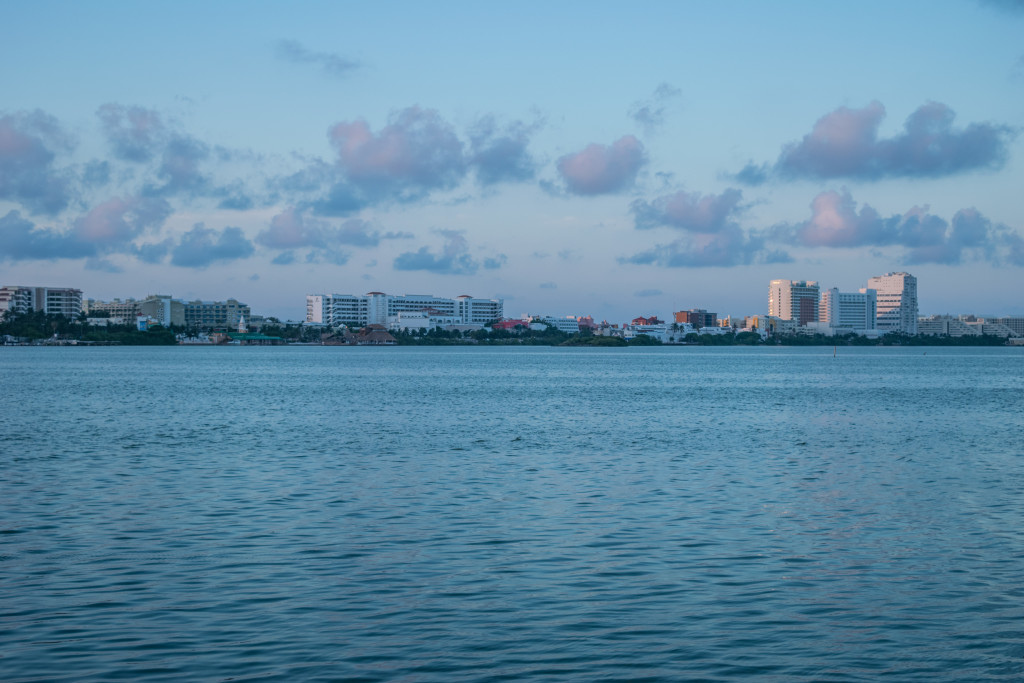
[500,155]
[602,169]
[415,153]
[140,136]
[689,211]
[155,252]
[730,246]
[495,262]
[333,65]
[134,133]
[548,285]
[291,229]
[650,113]
[1011,6]
[285,258]
[96,173]
[202,246]
[845,144]
[20,240]
[714,238]
[837,222]
[453,259]
[29,144]
[108,228]
[179,166]
[112,225]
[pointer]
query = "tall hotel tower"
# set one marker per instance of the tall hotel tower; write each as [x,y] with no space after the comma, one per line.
[795,300]
[897,302]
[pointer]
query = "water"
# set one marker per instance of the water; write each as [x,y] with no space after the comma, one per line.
[485,514]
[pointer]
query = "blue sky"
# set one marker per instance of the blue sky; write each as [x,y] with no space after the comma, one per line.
[573,158]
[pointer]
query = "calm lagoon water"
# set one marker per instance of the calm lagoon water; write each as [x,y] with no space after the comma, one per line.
[486,514]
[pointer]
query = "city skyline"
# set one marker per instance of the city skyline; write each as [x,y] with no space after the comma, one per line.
[569,159]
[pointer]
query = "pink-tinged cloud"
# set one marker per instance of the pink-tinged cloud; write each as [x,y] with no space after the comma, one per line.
[603,169]
[116,222]
[109,228]
[845,144]
[689,211]
[842,143]
[417,151]
[288,230]
[837,222]
[292,229]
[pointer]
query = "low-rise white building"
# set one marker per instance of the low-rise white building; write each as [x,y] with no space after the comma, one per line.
[945,326]
[376,308]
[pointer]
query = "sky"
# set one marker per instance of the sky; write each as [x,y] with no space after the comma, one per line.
[572,158]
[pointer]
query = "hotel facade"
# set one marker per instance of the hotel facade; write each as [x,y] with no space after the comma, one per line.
[378,308]
[897,302]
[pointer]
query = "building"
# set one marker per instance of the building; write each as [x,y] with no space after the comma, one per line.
[897,302]
[376,308]
[849,311]
[420,320]
[569,324]
[163,309]
[697,317]
[50,300]
[795,300]
[992,328]
[128,309]
[766,325]
[653,320]
[945,326]
[210,314]
[1015,324]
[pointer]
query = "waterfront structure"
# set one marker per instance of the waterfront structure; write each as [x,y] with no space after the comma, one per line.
[163,309]
[849,311]
[992,328]
[420,320]
[766,325]
[375,308]
[127,309]
[1015,324]
[51,300]
[511,324]
[897,302]
[697,317]
[568,324]
[945,326]
[795,300]
[209,314]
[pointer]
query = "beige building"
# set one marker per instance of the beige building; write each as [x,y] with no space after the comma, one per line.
[795,300]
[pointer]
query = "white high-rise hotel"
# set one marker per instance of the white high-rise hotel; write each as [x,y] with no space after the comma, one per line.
[375,308]
[897,302]
[855,311]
